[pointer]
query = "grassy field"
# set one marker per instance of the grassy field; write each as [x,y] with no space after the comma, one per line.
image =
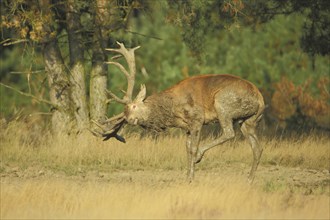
[43,177]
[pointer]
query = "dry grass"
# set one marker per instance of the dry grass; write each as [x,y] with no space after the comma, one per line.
[205,199]
[20,147]
[145,178]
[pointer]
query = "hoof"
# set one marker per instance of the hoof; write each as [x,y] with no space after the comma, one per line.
[250,179]
[199,157]
[190,178]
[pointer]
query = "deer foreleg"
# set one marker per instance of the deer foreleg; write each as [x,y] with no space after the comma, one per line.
[192,147]
[227,134]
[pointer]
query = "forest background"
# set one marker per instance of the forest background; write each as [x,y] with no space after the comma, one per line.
[53,52]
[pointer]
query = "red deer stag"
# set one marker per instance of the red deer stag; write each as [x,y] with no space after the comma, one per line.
[189,105]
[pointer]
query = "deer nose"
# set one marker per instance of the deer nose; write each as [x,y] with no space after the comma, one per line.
[132,120]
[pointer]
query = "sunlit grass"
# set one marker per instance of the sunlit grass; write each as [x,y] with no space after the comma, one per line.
[211,197]
[85,177]
[20,147]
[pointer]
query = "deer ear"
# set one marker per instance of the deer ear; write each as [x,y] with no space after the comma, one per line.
[142,94]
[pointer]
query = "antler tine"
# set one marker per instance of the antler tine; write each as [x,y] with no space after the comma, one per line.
[116,117]
[110,128]
[114,132]
[122,49]
[123,46]
[117,122]
[110,132]
[116,57]
[135,48]
[121,67]
[98,125]
[117,99]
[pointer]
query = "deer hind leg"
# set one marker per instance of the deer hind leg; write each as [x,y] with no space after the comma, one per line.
[193,138]
[228,133]
[248,129]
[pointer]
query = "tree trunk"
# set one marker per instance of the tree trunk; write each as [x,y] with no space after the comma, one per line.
[77,73]
[98,80]
[58,80]
[98,86]
[62,118]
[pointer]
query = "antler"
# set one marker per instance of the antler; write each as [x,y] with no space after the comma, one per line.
[130,75]
[111,131]
[114,124]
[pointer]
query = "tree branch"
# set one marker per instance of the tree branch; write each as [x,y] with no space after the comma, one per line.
[31,96]
[13,41]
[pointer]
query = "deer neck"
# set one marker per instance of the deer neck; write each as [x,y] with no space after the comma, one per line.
[160,113]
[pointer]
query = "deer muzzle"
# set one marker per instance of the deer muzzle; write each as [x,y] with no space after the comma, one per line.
[133,121]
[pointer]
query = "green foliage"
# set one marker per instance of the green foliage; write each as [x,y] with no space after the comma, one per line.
[184,38]
[264,54]
[261,55]
[314,38]
[23,69]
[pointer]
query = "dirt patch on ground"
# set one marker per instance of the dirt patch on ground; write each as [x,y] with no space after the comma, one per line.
[271,178]
[224,192]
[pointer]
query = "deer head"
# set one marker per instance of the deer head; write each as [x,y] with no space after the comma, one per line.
[136,111]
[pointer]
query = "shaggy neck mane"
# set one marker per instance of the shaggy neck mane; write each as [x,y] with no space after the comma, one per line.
[161,114]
